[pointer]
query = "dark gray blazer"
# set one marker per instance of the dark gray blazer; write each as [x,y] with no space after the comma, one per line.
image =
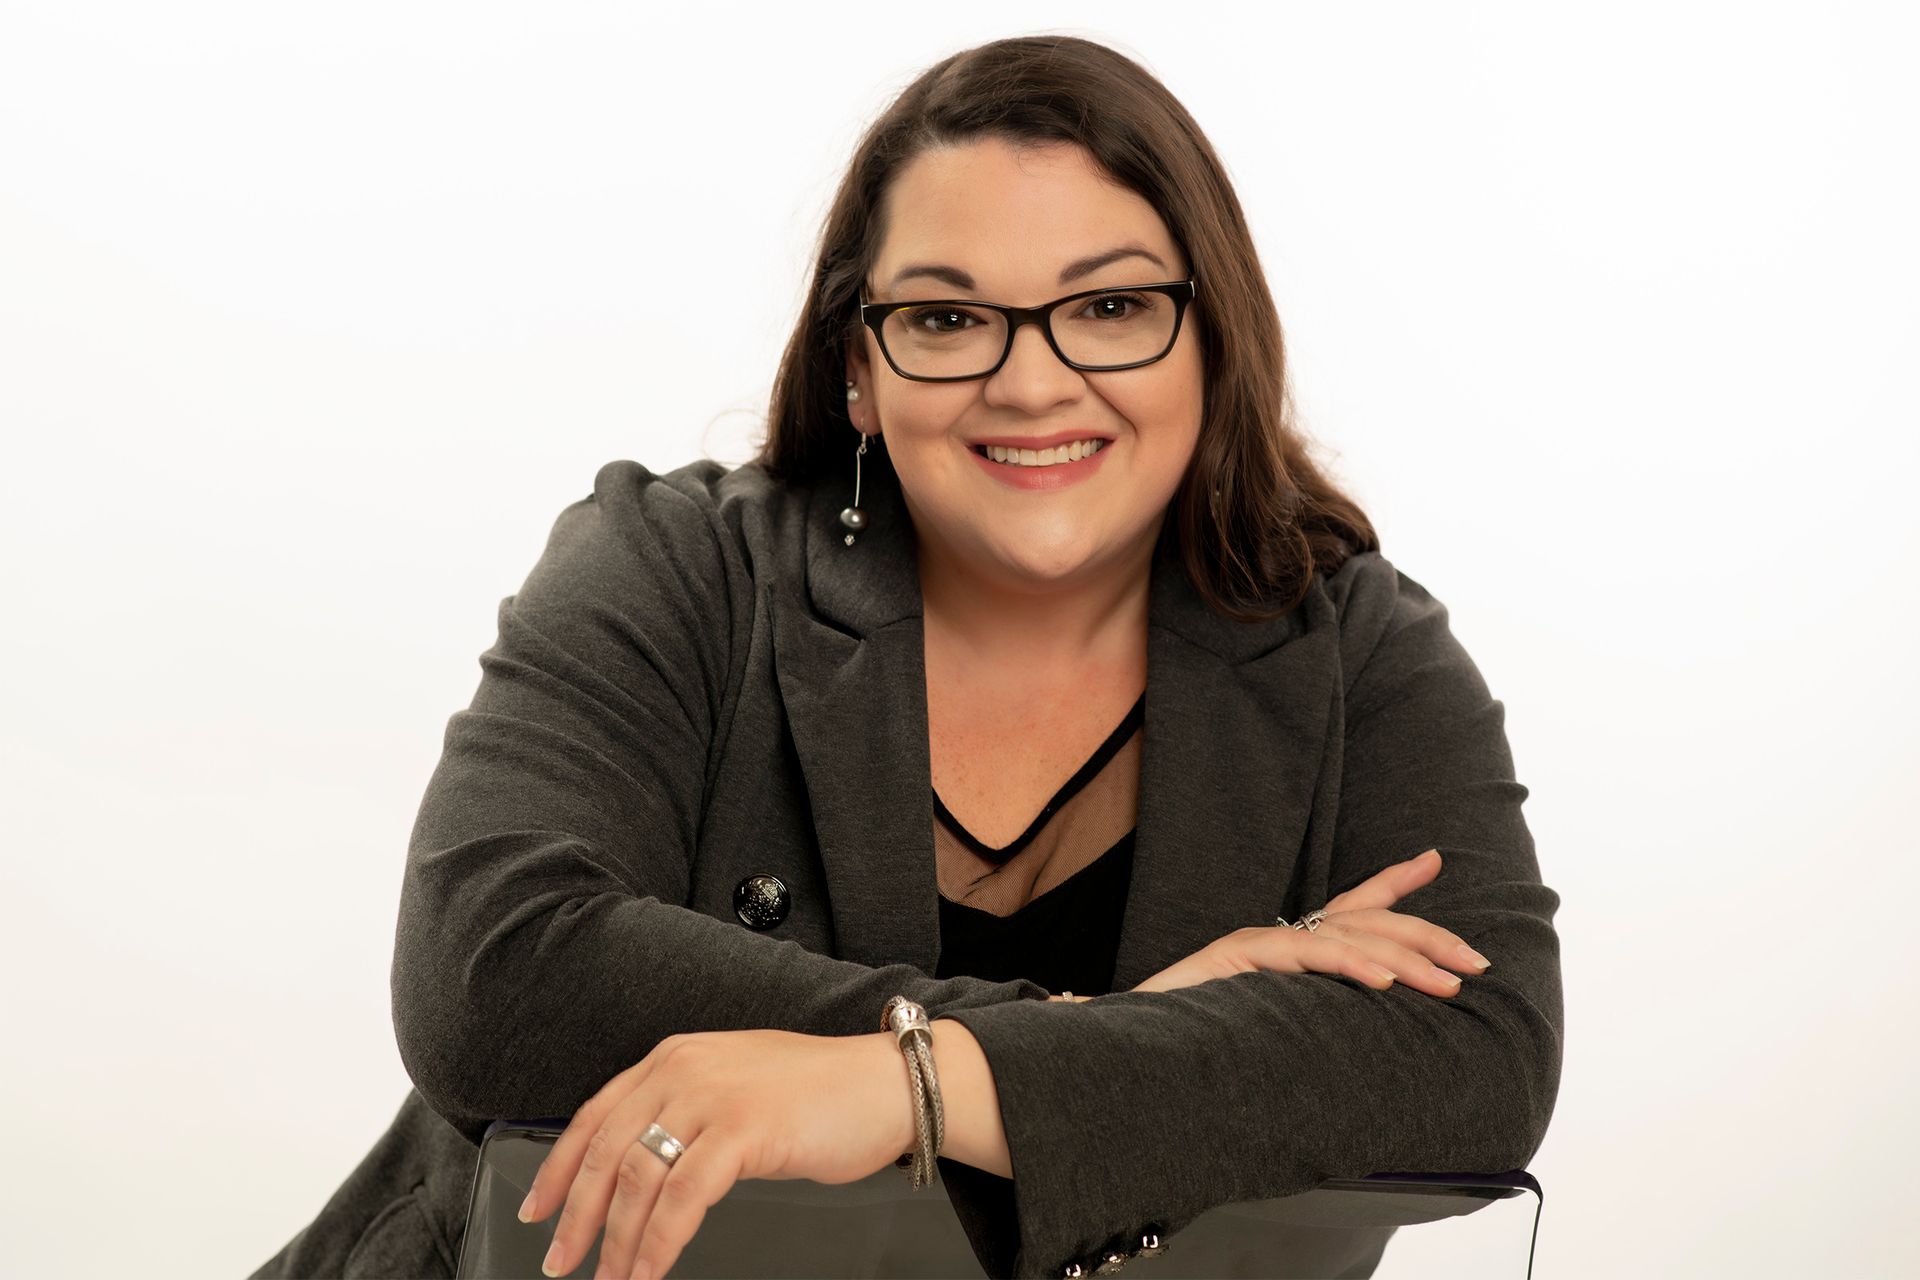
[700,683]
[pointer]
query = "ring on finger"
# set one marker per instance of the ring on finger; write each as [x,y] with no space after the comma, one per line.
[1309,922]
[662,1144]
[637,1188]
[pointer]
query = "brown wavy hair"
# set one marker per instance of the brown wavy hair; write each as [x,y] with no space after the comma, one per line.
[1254,517]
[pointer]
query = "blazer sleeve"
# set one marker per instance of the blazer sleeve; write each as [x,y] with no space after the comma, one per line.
[542,945]
[1313,1076]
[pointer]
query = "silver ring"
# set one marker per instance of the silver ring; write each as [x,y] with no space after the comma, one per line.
[1309,922]
[662,1144]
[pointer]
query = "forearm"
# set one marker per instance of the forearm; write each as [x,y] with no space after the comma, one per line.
[969,1099]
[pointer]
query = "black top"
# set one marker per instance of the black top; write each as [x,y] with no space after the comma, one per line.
[1066,938]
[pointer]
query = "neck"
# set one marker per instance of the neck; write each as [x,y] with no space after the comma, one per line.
[1098,618]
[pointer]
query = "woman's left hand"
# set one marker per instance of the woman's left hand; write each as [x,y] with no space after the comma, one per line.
[744,1104]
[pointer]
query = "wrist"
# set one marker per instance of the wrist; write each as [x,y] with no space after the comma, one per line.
[898,1088]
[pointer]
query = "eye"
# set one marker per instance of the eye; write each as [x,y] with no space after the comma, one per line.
[939,319]
[1117,306]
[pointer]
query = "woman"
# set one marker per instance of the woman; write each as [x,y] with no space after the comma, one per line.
[1031,525]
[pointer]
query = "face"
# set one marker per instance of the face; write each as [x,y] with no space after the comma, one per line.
[1005,225]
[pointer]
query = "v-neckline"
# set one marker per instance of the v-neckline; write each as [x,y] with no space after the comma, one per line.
[1083,775]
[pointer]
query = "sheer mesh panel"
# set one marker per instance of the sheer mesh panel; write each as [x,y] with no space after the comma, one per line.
[1084,821]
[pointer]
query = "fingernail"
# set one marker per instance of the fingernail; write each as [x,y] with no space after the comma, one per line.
[526,1208]
[642,1271]
[1383,973]
[1474,957]
[551,1266]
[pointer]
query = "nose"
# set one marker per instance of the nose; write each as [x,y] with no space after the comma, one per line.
[1033,379]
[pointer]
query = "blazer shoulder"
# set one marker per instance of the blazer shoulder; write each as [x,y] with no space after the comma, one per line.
[703,516]
[1376,600]
[669,562]
[703,488]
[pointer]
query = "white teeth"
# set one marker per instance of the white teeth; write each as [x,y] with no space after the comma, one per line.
[1045,457]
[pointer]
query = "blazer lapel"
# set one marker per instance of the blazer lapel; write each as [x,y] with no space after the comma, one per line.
[1236,728]
[1235,740]
[850,659]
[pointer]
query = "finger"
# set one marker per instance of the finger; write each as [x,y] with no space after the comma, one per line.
[1285,950]
[1355,953]
[1404,963]
[1325,953]
[562,1163]
[591,1193]
[1388,885]
[693,1186]
[1442,946]
[636,1191]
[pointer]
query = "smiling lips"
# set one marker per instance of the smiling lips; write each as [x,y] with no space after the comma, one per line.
[1070,452]
[1045,469]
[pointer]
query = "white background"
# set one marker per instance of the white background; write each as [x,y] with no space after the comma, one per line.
[312,319]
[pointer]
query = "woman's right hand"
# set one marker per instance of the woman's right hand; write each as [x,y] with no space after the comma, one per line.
[1358,937]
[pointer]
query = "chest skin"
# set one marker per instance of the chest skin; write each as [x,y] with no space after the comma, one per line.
[1003,741]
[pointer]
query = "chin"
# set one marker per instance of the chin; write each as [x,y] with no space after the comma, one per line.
[1058,565]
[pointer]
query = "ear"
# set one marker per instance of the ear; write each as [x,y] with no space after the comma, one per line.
[859,372]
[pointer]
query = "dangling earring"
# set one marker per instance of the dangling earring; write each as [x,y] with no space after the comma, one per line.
[853,517]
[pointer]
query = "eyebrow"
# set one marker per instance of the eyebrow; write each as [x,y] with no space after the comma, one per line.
[1074,271]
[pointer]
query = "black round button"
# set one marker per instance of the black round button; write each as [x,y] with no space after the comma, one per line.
[761,901]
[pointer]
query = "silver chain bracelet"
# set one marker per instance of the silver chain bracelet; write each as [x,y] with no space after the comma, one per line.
[908,1022]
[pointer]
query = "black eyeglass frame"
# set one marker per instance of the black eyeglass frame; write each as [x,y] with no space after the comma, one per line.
[1182,292]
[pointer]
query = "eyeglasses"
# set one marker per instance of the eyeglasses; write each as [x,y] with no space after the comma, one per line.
[959,340]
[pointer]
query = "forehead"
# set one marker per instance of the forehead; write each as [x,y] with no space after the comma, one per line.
[1012,217]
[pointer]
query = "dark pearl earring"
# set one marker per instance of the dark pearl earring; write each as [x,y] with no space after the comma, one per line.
[853,517]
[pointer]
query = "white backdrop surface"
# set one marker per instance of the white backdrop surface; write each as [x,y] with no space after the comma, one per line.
[312,319]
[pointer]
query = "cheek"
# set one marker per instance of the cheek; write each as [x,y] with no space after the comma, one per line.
[1166,424]
[923,418]
[920,447]
[1186,400]
[1166,414]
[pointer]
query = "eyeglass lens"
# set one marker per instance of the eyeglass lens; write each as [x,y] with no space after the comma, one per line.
[953,340]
